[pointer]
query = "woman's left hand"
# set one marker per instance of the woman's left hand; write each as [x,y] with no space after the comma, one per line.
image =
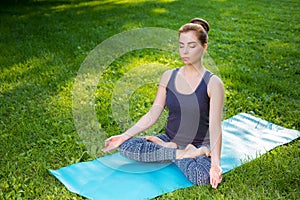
[215,176]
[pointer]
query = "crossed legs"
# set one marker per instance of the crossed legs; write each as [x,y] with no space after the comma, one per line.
[191,161]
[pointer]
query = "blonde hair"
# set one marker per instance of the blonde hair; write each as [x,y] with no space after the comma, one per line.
[199,26]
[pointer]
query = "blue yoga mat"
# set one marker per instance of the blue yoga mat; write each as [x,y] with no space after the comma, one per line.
[114,177]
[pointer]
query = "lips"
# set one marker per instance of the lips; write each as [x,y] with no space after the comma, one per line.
[185,58]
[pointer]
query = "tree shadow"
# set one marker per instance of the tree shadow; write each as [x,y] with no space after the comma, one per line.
[45,43]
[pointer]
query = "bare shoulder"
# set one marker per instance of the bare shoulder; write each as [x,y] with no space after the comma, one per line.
[167,73]
[165,77]
[215,85]
[215,81]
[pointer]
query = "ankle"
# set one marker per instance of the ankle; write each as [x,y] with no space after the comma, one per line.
[179,154]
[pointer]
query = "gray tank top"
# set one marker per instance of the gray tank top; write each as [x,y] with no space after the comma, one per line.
[188,119]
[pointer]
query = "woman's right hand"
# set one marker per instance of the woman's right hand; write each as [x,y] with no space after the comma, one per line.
[114,142]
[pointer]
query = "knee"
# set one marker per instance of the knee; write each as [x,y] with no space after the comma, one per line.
[199,176]
[197,172]
[130,143]
[131,148]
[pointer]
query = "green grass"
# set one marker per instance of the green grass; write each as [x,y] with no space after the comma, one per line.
[255,45]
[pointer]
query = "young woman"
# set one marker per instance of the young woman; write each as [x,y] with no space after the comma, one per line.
[194,98]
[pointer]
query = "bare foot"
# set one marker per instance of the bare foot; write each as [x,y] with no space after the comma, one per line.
[192,152]
[157,140]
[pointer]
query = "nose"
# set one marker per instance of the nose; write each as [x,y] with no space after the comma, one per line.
[186,50]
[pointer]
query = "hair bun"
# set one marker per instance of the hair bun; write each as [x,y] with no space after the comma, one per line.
[201,22]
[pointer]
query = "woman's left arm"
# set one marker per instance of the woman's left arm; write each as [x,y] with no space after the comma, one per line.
[216,94]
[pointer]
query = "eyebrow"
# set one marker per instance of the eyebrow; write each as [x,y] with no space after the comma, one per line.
[188,42]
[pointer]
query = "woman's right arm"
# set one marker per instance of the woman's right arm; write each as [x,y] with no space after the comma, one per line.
[147,120]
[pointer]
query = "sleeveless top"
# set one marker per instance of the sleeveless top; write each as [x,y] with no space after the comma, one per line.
[188,119]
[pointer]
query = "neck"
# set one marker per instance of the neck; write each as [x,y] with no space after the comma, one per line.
[194,70]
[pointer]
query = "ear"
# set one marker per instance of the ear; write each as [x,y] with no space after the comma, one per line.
[204,47]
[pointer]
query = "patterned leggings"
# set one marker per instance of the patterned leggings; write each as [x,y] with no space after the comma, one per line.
[195,169]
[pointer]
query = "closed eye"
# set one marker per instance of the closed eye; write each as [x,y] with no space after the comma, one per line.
[190,44]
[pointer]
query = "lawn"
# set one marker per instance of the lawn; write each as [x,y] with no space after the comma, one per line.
[255,45]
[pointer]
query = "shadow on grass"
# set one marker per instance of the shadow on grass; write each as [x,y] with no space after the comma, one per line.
[44,45]
[44,35]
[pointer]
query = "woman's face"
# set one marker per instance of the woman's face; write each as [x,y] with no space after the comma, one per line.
[190,48]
